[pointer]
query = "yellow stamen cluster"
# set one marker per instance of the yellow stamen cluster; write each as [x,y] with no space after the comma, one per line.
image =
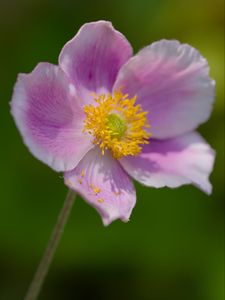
[116,123]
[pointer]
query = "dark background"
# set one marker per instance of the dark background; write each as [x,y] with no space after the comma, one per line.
[172,249]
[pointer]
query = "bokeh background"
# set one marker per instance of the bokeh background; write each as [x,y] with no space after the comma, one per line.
[172,249]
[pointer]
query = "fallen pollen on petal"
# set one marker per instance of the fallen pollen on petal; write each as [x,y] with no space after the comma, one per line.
[100,200]
[82,173]
[117,193]
[79,180]
[96,190]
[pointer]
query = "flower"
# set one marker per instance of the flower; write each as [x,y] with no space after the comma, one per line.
[103,117]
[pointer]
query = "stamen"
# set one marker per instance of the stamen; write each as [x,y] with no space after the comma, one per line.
[116,123]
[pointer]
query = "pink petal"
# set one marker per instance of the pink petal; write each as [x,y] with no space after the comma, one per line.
[171,82]
[49,119]
[187,159]
[104,185]
[93,58]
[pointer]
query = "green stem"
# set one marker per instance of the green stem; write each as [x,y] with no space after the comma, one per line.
[42,270]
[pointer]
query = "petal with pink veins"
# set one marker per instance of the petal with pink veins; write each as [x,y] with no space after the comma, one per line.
[187,159]
[102,182]
[93,58]
[171,81]
[49,118]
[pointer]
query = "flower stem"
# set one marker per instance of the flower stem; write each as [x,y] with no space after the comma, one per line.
[39,277]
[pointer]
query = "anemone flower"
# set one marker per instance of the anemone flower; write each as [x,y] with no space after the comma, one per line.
[104,117]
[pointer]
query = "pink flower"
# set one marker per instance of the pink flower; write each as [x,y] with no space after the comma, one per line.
[103,116]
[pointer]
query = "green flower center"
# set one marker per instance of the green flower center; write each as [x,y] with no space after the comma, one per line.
[116,125]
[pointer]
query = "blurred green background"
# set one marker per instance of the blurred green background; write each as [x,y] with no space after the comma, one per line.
[172,249]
